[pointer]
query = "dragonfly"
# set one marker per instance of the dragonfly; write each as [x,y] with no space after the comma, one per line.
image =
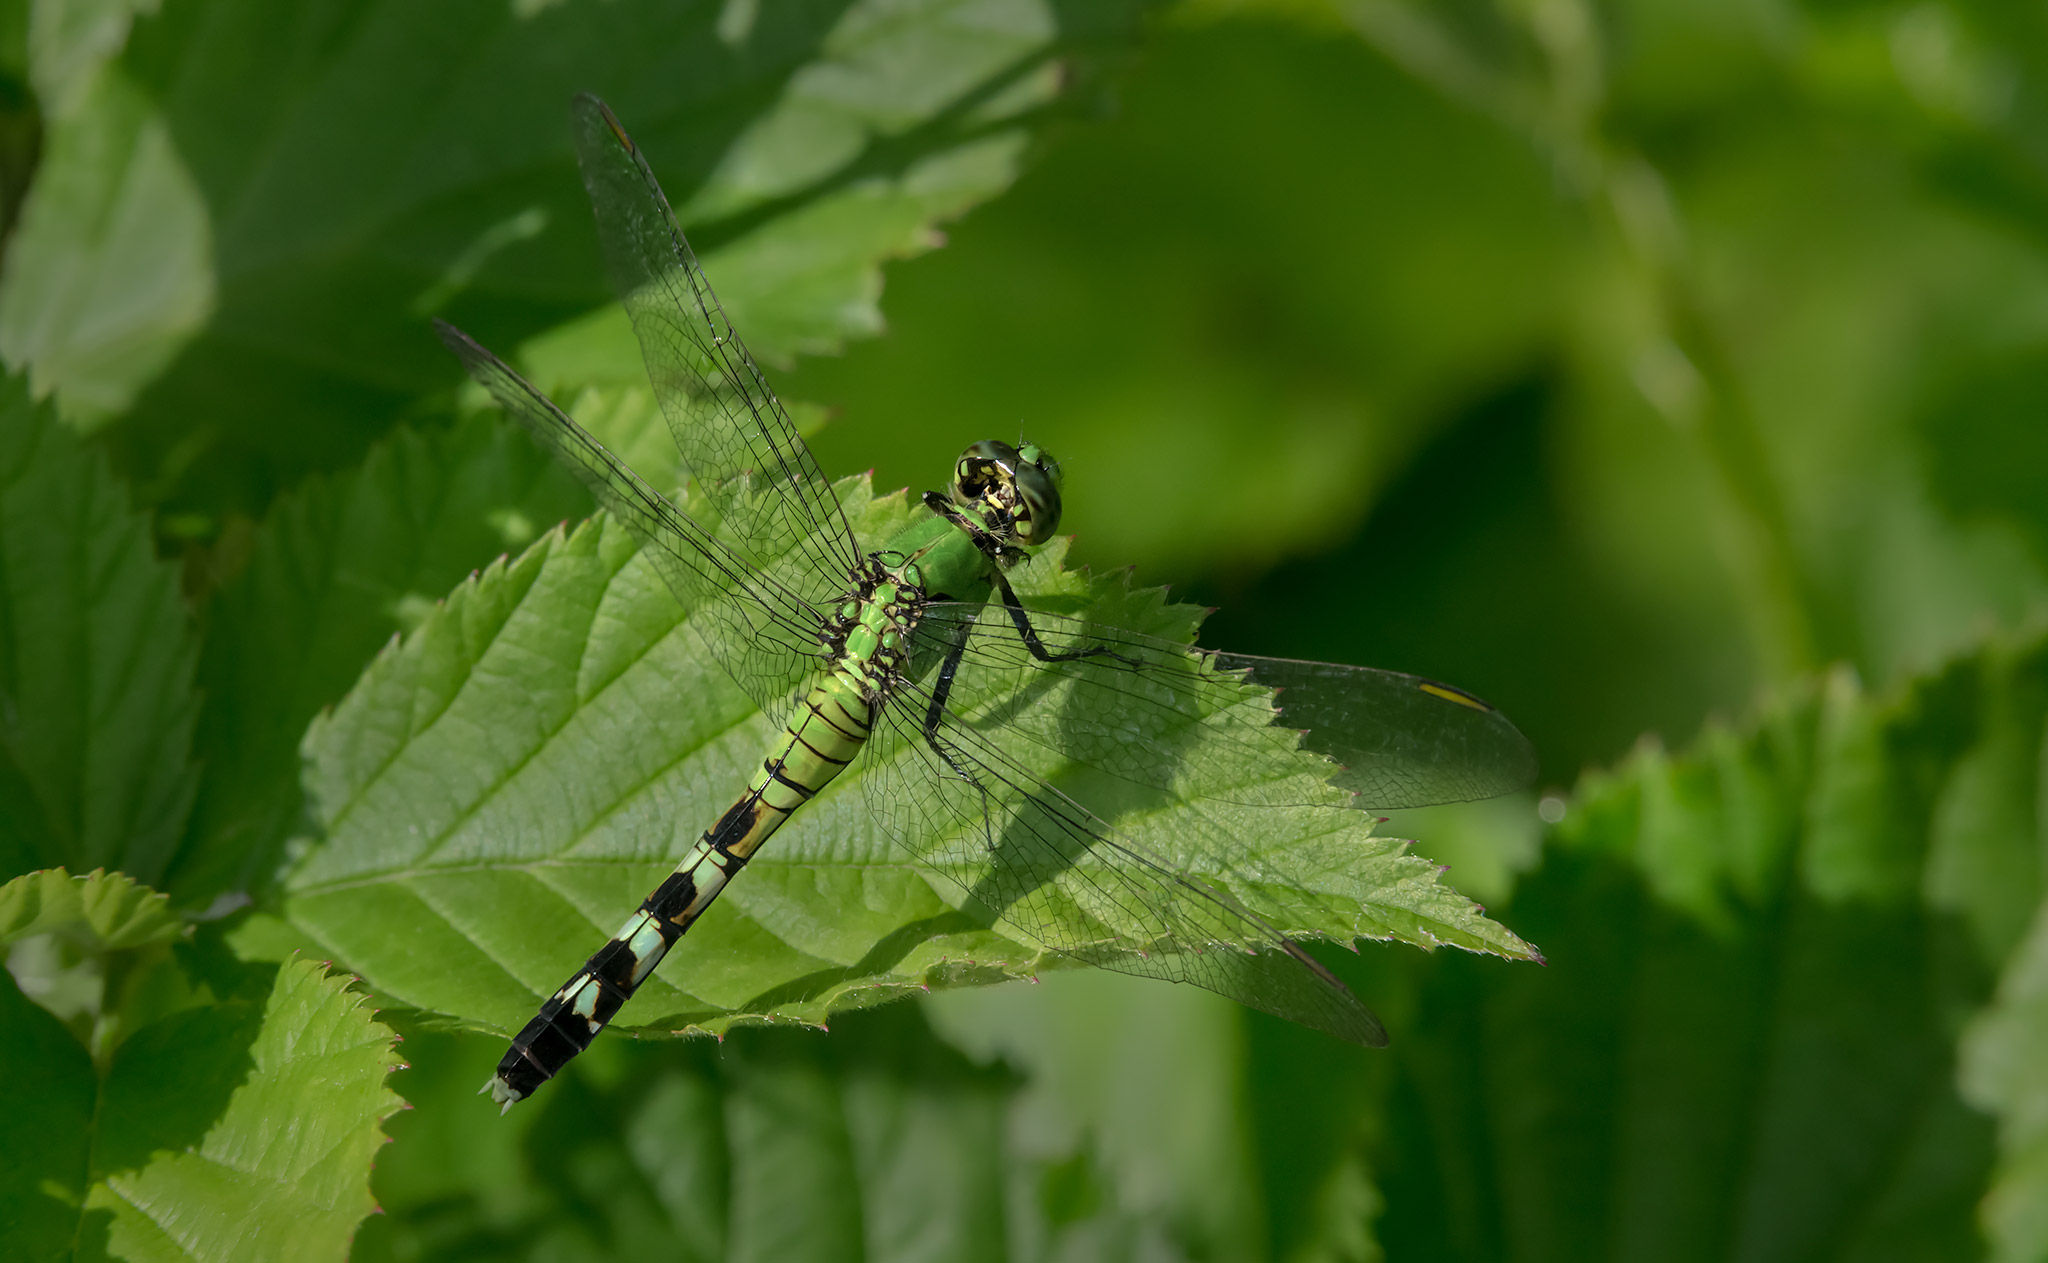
[921,656]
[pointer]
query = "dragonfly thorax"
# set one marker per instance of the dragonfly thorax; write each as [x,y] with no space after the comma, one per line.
[1016,490]
[868,638]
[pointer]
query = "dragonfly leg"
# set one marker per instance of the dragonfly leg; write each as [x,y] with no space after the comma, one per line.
[942,688]
[1029,634]
[936,712]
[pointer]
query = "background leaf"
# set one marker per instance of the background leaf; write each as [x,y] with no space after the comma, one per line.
[875,1143]
[96,662]
[114,912]
[1759,950]
[2001,1075]
[115,267]
[1152,310]
[41,1185]
[216,1110]
[348,173]
[339,567]
[297,1067]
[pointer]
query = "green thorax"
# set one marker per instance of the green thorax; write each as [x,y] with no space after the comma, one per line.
[931,559]
[943,561]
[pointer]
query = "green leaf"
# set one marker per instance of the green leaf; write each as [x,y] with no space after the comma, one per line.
[107,911]
[2003,1073]
[1979,464]
[96,663]
[501,790]
[220,1110]
[338,568]
[53,1083]
[1992,870]
[594,370]
[877,1142]
[245,1130]
[93,951]
[1152,1076]
[269,202]
[113,268]
[68,42]
[1760,951]
[52,1089]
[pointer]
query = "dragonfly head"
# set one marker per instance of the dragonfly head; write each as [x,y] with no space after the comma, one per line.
[1022,486]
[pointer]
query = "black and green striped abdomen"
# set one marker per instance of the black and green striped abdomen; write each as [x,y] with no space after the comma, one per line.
[828,730]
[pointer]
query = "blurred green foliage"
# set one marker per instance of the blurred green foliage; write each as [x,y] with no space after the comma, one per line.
[1652,367]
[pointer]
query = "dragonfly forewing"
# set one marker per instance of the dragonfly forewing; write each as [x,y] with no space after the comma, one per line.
[737,440]
[1168,715]
[761,631]
[1401,740]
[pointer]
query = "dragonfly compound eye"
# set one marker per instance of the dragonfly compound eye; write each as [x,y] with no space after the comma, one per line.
[1023,486]
[1038,494]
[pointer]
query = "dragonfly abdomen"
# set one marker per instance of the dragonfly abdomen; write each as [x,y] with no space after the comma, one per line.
[828,730]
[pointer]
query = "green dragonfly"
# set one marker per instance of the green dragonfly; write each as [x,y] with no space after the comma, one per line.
[923,650]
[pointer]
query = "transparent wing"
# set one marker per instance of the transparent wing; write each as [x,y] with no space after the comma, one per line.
[1401,740]
[1161,714]
[737,440]
[765,635]
[1065,879]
